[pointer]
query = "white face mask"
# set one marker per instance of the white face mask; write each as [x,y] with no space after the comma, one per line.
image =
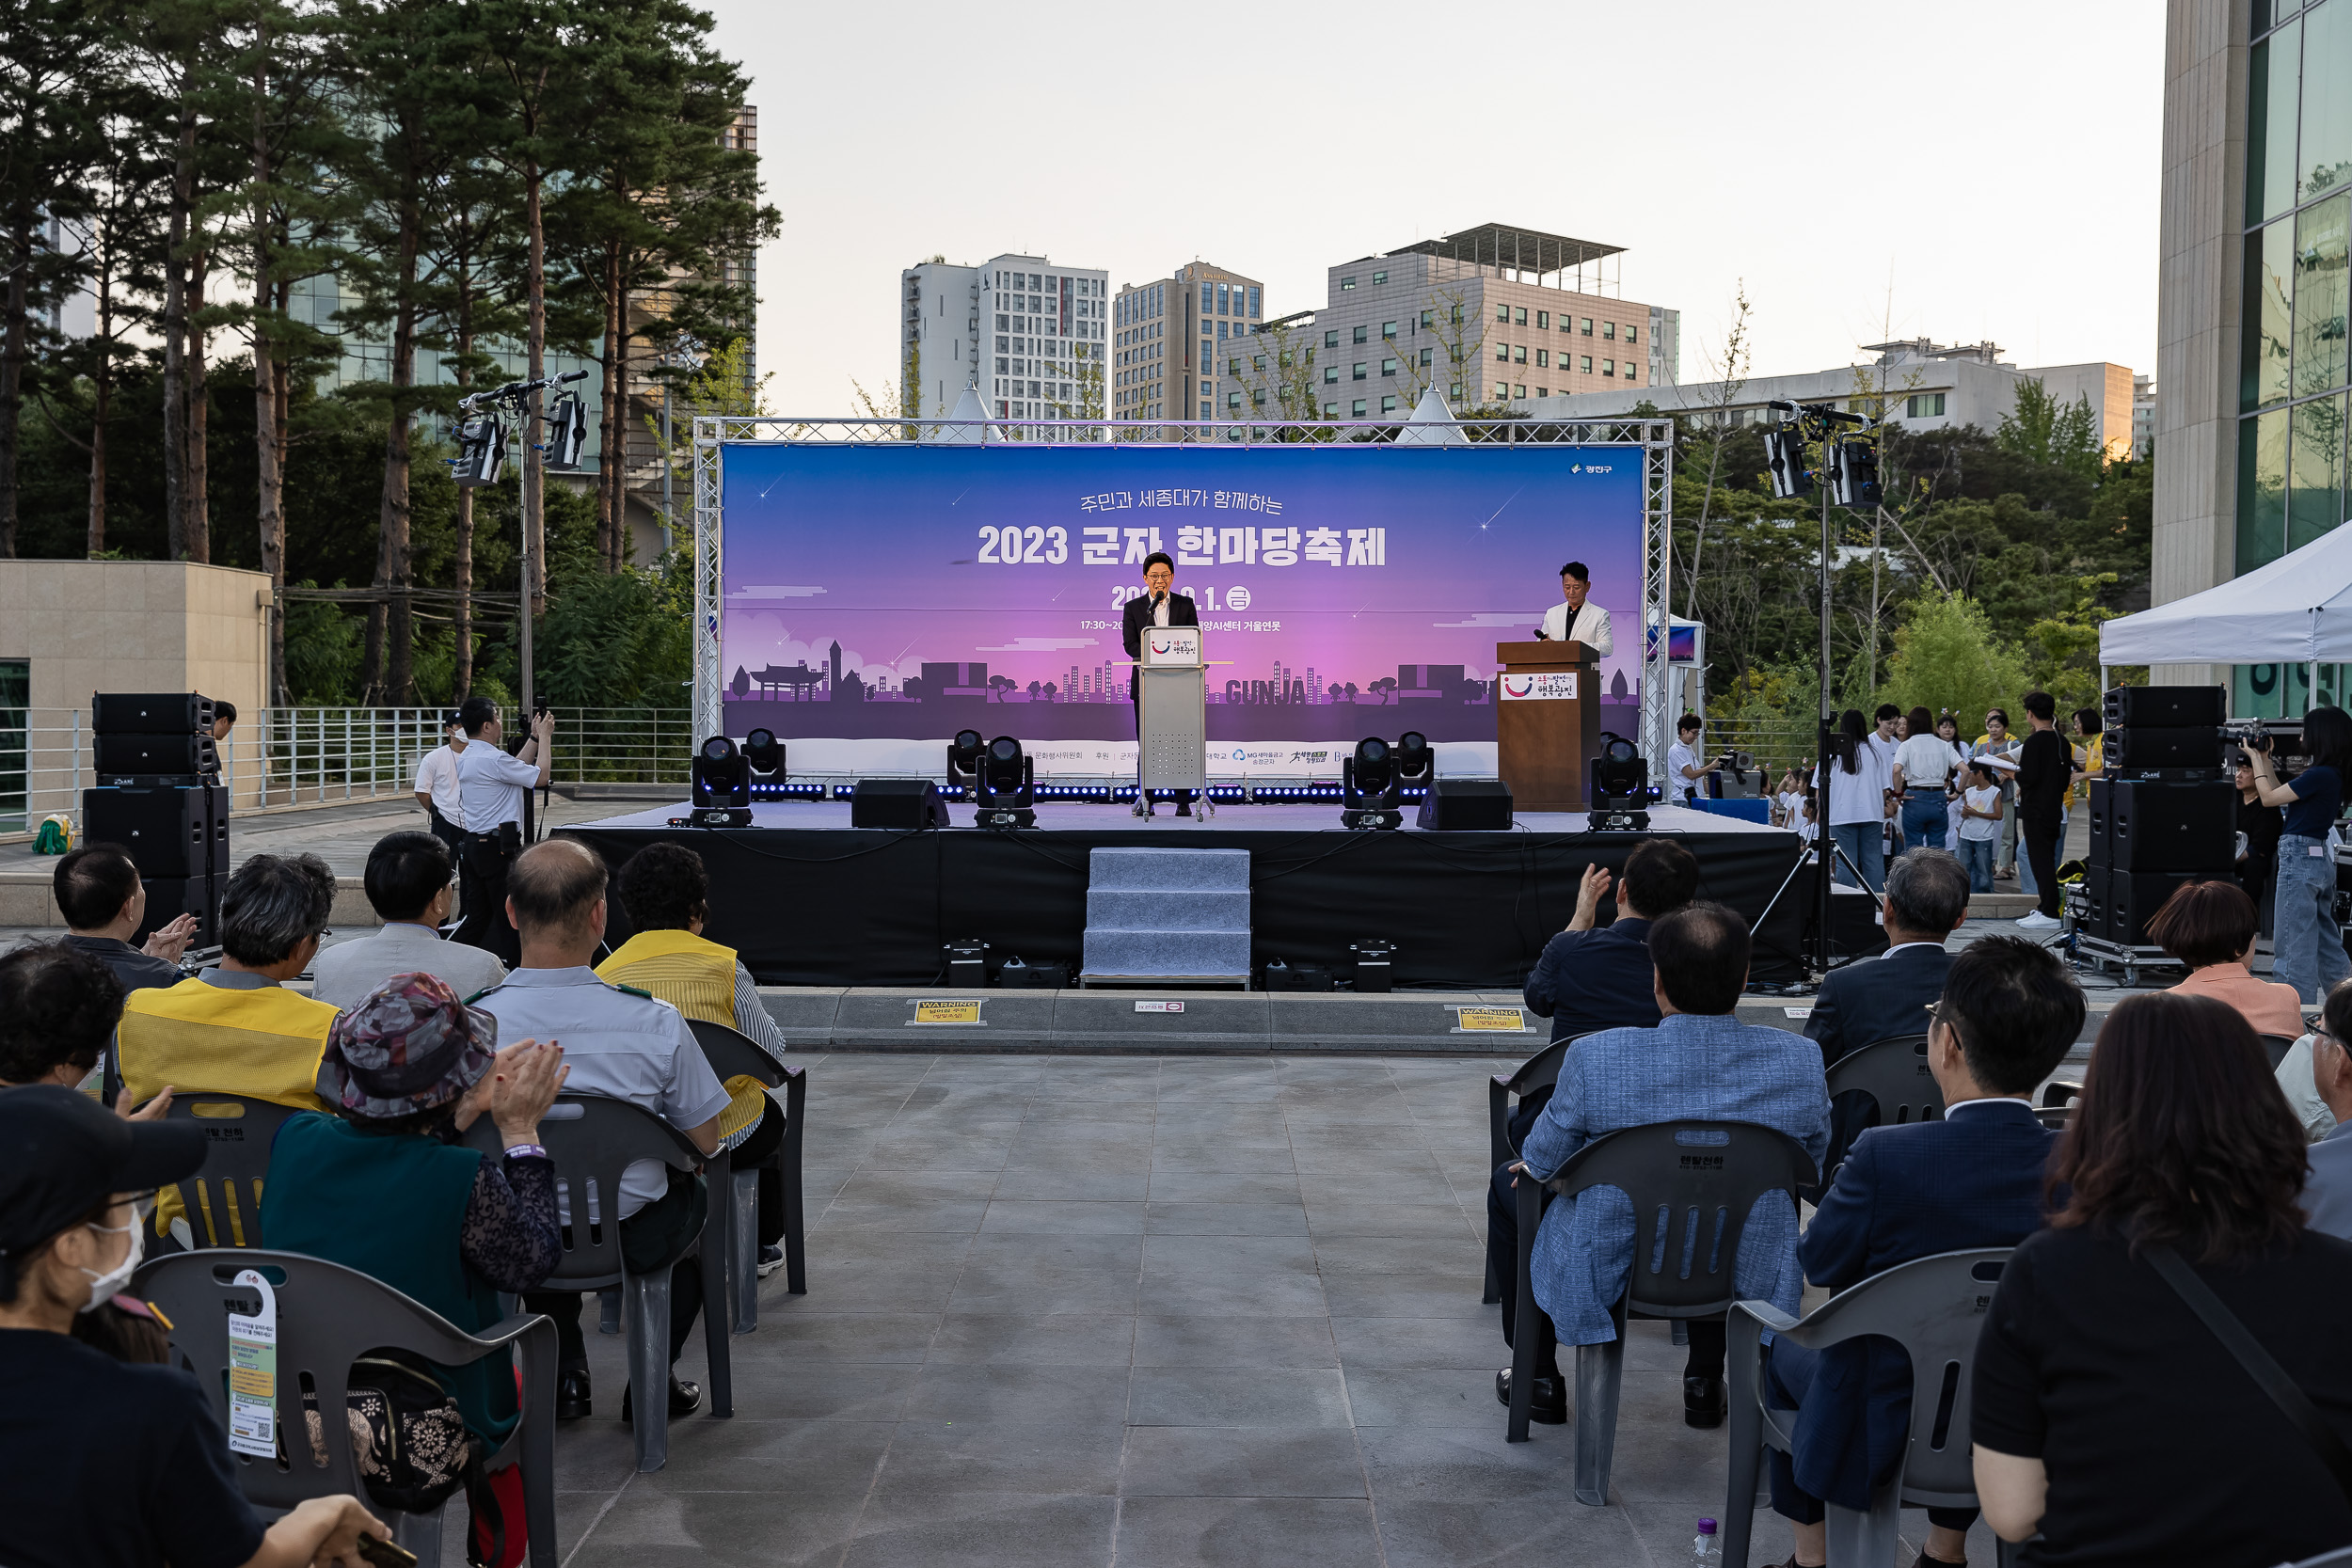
[104,1286]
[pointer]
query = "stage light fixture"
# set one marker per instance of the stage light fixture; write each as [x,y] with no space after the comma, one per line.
[1855,473]
[1620,787]
[1006,785]
[1414,759]
[764,752]
[722,785]
[963,761]
[481,450]
[1784,455]
[1368,786]
[567,432]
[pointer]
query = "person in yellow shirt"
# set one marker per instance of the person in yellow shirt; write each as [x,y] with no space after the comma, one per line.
[2091,760]
[236,1029]
[666,894]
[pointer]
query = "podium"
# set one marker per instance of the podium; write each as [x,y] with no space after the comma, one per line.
[1546,722]
[1172,713]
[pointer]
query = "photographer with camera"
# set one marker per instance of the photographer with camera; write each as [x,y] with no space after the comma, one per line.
[491,787]
[1684,767]
[2309,945]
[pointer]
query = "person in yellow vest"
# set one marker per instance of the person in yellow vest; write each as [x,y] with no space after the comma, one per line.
[666,894]
[236,1029]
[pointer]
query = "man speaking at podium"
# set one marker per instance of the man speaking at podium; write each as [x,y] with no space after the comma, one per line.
[1573,619]
[1158,607]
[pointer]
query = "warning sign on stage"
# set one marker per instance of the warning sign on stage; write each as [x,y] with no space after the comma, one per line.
[947,1012]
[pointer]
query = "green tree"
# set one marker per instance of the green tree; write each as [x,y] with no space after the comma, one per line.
[1947,655]
[2043,430]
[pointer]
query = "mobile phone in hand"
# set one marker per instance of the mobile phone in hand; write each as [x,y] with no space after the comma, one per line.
[383,1554]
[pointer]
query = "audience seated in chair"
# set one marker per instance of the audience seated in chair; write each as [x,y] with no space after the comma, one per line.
[58,1007]
[622,1043]
[2328,1193]
[411,883]
[106,1463]
[2009,1013]
[236,1029]
[386,1188]
[1589,979]
[104,902]
[1701,1063]
[667,894]
[2211,927]
[2107,1416]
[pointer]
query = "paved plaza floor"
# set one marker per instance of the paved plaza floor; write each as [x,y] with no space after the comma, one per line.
[1133,1312]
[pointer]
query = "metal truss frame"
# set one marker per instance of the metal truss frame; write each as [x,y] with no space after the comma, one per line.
[1654,436]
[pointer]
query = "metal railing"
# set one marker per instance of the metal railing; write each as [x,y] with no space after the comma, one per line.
[325,755]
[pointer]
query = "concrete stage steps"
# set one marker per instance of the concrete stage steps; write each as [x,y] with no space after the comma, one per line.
[1166,916]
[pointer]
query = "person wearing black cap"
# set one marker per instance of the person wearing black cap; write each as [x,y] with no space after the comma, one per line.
[106,1464]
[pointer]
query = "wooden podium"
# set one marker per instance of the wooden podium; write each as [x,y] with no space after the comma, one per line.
[1546,722]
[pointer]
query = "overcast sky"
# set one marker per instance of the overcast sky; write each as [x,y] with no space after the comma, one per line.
[1985,171]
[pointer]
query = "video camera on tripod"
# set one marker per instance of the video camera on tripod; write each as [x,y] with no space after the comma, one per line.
[486,420]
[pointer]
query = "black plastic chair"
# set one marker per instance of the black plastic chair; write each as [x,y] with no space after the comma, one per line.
[593,1139]
[2278,1045]
[735,1055]
[223,1200]
[1539,1071]
[2058,1103]
[328,1317]
[1691,1184]
[1934,1307]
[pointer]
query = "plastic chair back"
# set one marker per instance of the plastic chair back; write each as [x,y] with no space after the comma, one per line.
[593,1139]
[1691,1184]
[328,1317]
[224,1198]
[2278,1045]
[1893,1073]
[1539,1071]
[732,1055]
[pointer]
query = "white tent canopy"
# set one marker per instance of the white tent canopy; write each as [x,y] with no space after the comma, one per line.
[2297,609]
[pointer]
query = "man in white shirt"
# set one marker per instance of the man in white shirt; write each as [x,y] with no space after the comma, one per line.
[1686,770]
[1575,619]
[437,792]
[490,790]
[408,883]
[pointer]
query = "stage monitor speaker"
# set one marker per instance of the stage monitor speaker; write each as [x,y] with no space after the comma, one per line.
[2095,920]
[171,831]
[174,755]
[2139,747]
[2102,816]
[897,804]
[168,898]
[2170,827]
[2134,897]
[2164,708]
[1467,805]
[149,713]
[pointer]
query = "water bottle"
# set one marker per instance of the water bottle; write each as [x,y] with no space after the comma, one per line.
[1707,1551]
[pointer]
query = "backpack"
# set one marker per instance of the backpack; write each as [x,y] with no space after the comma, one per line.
[411,1444]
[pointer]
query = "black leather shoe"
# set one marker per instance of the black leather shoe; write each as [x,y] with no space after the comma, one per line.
[571,1396]
[1548,1398]
[684,1399]
[1703,1401]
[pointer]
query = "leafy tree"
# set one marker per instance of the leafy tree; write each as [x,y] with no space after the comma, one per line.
[1947,655]
[2041,430]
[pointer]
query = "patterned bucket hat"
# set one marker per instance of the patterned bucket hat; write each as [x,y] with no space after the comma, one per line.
[408,1046]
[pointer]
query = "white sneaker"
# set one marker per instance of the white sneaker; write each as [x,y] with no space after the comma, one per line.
[2037,921]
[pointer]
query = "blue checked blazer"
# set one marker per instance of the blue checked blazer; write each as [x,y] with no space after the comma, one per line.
[1706,1067]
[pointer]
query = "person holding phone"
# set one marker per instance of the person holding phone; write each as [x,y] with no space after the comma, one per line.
[2308,945]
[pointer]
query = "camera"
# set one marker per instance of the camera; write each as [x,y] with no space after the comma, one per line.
[2249,733]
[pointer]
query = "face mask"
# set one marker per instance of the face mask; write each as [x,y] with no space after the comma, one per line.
[103,1287]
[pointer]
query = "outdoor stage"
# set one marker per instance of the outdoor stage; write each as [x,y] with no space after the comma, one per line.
[807,900]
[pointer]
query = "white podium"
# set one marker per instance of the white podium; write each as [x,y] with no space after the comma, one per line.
[1172,713]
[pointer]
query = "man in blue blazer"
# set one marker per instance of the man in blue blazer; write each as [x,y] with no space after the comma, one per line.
[1927,900]
[2009,1012]
[1701,1063]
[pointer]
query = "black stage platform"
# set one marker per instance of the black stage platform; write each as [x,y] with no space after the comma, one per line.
[808,900]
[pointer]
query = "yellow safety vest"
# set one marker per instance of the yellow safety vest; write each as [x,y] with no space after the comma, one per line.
[697,978]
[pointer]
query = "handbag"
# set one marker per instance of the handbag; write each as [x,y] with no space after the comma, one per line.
[2273,1379]
[411,1444]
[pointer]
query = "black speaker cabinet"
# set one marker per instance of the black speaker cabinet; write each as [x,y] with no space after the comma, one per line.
[2095,921]
[2170,827]
[2164,708]
[2141,747]
[178,755]
[1467,805]
[2102,818]
[170,830]
[2134,897]
[168,898]
[897,804]
[149,713]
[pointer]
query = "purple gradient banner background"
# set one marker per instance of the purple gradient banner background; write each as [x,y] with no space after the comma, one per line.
[1355,589]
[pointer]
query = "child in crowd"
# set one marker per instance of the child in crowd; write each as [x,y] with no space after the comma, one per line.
[1979,825]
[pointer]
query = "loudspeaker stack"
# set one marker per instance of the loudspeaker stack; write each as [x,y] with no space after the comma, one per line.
[158,796]
[2163,813]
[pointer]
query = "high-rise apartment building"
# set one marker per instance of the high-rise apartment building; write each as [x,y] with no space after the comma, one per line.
[1030,336]
[1489,315]
[1169,338]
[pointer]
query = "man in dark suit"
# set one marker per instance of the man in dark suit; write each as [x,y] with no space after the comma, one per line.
[2009,1012]
[1590,979]
[1927,900]
[1156,605]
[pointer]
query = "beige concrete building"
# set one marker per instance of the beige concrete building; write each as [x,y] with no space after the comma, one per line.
[1169,338]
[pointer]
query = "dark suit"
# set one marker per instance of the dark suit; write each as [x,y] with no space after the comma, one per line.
[1588,980]
[1132,624]
[1972,1179]
[1862,1003]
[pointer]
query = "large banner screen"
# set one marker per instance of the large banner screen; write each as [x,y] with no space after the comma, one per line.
[879,598]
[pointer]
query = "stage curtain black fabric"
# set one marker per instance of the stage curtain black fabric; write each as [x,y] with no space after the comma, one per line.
[1468,911]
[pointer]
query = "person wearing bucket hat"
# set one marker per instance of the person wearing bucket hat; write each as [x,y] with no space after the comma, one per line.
[386,1188]
[106,1464]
